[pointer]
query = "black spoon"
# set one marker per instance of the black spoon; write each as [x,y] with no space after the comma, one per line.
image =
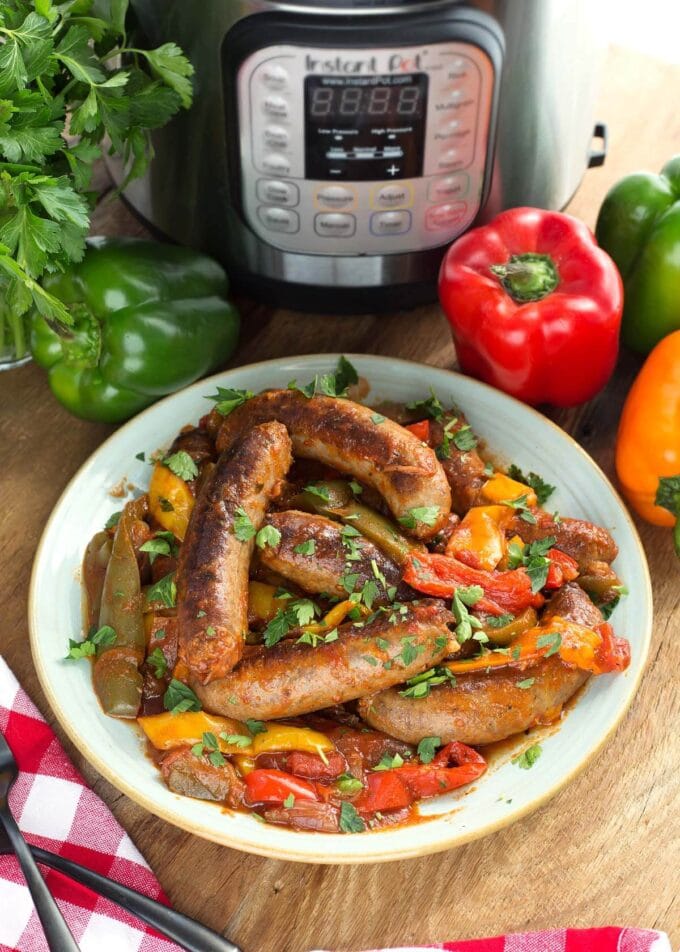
[188,933]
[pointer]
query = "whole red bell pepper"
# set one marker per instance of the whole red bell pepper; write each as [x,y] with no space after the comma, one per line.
[534,306]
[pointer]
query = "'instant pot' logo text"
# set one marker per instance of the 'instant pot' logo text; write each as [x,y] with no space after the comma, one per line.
[396,63]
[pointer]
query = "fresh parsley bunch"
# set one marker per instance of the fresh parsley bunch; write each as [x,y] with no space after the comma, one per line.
[69,77]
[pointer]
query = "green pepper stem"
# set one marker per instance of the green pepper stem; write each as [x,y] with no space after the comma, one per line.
[528,277]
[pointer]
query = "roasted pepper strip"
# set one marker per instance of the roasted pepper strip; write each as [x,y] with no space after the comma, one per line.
[167,730]
[170,501]
[119,686]
[275,786]
[648,441]
[283,737]
[440,575]
[479,540]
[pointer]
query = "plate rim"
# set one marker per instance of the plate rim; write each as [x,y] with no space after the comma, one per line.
[456,838]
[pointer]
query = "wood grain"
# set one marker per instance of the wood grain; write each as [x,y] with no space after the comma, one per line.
[606,850]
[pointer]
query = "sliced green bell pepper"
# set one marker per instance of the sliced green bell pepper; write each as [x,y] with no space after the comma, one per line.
[148,318]
[639,226]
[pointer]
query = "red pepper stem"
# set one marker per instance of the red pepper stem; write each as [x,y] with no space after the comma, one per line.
[528,277]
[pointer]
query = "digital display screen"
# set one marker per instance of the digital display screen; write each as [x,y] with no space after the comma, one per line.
[365,127]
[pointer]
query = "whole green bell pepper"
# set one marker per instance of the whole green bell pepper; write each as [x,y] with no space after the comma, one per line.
[149,318]
[639,226]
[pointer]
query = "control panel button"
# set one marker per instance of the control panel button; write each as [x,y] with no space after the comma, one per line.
[276,106]
[445,216]
[335,196]
[390,223]
[273,192]
[276,137]
[448,188]
[451,159]
[282,220]
[276,163]
[335,225]
[394,195]
[274,76]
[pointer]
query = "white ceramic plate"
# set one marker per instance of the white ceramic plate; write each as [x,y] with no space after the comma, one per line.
[513,432]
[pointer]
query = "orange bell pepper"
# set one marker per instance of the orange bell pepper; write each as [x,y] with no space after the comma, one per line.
[479,539]
[500,488]
[170,500]
[648,441]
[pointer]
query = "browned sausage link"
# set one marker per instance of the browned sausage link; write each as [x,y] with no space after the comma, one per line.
[292,679]
[332,556]
[483,708]
[343,435]
[464,469]
[582,540]
[212,576]
[196,442]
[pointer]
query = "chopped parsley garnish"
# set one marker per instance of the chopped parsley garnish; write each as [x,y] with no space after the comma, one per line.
[520,504]
[182,465]
[268,535]
[113,520]
[464,439]
[141,457]
[299,613]
[498,621]
[164,591]
[350,821]
[243,528]
[158,662]
[420,685]
[356,487]
[227,399]
[330,385]
[320,491]
[308,547]
[542,489]
[104,637]
[551,641]
[428,515]
[608,607]
[179,698]
[528,758]
[346,783]
[255,727]
[527,683]
[427,748]
[389,762]
[314,638]
[409,652]
[236,740]
[533,558]
[289,801]
[210,747]
[377,418]
[466,597]
[162,543]
[431,406]
[165,504]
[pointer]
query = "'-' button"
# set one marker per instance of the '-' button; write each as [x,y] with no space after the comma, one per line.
[390,223]
[273,192]
[445,216]
[335,225]
[282,220]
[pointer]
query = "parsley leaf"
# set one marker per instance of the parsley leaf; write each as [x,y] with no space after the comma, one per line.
[464,439]
[350,821]
[528,758]
[427,747]
[255,727]
[308,547]
[227,399]
[498,621]
[104,637]
[179,698]
[236,740]
[533,558]
[289,801]
[377,418]
[431,406]
[542,489]
[464,597]
[158,662]
[182,465]
[346,783]
[527,683]
[428,515]
[420,685]
[162,543]
[389,762]
[268,535]
[552,641]
[320,491]
[243,528]
[520,504]
[330,385]
[300,612]
[113,520]
[164,591]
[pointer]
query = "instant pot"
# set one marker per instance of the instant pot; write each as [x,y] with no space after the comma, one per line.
[334,149]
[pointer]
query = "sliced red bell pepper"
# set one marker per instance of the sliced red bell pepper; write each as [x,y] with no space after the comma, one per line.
[421,430]
[301,764]
[441,575]
[534,306]
[455,765]
[562,569]
[275,786]
[614,653]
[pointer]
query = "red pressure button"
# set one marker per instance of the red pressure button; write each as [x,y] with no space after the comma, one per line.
[445,216]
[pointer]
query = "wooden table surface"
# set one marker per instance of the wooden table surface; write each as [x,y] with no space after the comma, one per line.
[604,851]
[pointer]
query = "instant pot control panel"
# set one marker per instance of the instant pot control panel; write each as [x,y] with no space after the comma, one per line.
[349,150]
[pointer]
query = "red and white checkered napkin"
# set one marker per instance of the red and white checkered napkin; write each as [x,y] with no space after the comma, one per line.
[611,939]
[56,811]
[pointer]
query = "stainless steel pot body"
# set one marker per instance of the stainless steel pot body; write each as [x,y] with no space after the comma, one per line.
[546,90]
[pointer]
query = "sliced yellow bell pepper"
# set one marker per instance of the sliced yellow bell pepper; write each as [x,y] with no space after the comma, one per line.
[167,730]
[283,737]
[262,603]
[336,616]
[170,500]
[499,488]
[481,534]
[244,763]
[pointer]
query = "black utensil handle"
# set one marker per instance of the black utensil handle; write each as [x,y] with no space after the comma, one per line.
[192,935]
[59,936]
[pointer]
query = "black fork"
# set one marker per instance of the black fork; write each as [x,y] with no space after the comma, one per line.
[58,934]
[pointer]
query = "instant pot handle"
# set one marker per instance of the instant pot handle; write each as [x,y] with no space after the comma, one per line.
[597,156]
